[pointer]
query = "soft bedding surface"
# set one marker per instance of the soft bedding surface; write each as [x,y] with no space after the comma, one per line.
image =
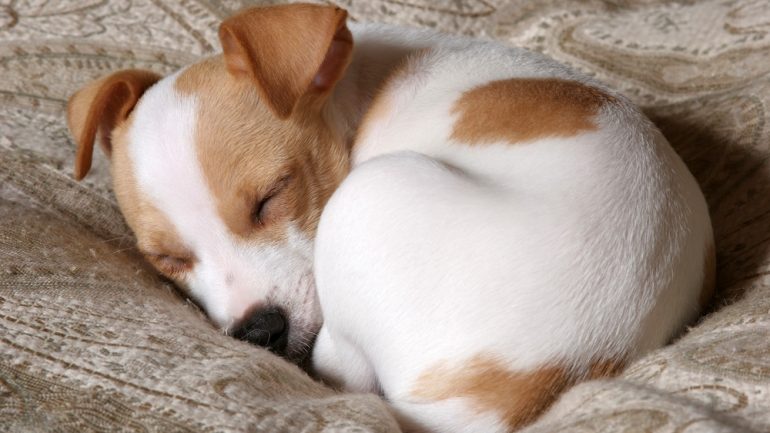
[92,340]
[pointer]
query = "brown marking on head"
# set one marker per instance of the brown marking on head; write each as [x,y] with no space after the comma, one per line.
[709,277]
[248,155]
[518,110]
[517,397]
[382,105]
[265,150]
[157,238]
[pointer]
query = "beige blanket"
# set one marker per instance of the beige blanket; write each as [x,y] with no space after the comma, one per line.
[92,340]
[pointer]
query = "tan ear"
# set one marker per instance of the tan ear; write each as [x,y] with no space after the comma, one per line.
[287,50]
[99,107]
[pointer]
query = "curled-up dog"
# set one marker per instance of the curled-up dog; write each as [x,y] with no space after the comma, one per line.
[467,228]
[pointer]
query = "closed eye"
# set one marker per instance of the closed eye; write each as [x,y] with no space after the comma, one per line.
[260,210]
[260,213]
[170,265]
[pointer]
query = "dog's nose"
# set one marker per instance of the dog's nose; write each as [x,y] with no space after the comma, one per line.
[266,327]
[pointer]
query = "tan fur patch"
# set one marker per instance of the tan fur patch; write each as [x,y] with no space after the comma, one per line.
[519,110]
[98,107]
[517,397]
[287,50]
[709,277]
[245,151]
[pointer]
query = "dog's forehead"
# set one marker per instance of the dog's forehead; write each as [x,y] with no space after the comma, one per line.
[235,132]
[200,147]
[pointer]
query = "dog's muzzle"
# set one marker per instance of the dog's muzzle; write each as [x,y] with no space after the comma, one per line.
[266,327]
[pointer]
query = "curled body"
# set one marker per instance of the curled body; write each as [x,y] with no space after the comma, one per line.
[508,229]
[466,228]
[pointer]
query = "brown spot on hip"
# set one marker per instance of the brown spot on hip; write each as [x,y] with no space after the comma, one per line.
[518,397]
[517,110]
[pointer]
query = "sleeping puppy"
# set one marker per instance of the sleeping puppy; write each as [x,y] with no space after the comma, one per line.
[468,228]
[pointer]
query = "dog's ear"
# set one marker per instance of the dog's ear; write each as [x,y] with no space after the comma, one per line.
[99,107]
[288,50]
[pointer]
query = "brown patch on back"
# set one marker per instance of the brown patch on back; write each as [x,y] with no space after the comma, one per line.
[518,110]
[709,277]
[245,150]
[517,397]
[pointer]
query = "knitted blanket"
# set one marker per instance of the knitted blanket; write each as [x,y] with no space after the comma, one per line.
[92,340]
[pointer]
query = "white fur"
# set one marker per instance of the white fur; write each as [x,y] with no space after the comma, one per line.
[556,251]
[231,276]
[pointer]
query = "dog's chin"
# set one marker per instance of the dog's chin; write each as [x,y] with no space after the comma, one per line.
[304,317]
[302,335]
[300,347]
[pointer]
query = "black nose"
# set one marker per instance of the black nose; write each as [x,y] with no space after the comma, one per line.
[266,327]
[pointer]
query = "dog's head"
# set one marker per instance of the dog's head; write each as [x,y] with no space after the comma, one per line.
[222,169]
